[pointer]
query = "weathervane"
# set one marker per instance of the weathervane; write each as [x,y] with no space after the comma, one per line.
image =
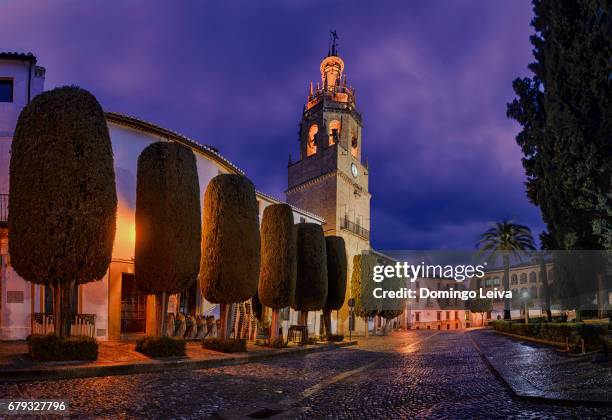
[333,44]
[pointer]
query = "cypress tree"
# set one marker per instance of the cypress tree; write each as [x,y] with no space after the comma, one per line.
[229,269]
[168,223]
[311,283]
[277,275]
[336,277]
[63,203]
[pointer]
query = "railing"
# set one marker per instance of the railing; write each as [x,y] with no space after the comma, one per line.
[4,210]
[345,223]
[82,324]
[321,92]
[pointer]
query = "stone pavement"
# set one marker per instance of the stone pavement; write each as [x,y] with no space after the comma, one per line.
[415,374]
[534,370]
[120,358]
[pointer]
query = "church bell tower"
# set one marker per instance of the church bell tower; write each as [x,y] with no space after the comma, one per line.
[330,179]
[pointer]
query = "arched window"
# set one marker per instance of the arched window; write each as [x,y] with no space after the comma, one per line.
[514,279]
[550,276]
[534,292]
[533,277]
[334,132]
[311,147]
[523,278]
[354,145]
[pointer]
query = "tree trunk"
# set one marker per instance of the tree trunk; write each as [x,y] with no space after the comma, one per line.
[601,297]
[57,304]
[61,309]
[161,314]
[506,283]
[367,326]
[327,322]
[226,320]
[274,326]
[545,288]
[303,317]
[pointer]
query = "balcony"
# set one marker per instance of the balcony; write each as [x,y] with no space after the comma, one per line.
[345,223]
[4,210]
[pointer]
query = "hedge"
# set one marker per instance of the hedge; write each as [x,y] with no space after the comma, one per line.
[592,334]
[53,348]
[225,345]
[161,346]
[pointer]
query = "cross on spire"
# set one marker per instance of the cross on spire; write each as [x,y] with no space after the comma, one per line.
[333,43]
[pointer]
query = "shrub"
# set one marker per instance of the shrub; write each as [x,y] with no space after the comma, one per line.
[53,348]
[161,346]
[335,337]
[277,343]
[592,334]
[225,345]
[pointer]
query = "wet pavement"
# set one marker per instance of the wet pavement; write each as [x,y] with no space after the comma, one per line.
[407,375]
[537,370]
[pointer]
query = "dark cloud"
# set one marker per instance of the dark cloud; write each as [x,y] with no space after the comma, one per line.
[432,81]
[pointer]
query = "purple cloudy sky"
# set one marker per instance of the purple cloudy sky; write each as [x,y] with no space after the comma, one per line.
[432,81]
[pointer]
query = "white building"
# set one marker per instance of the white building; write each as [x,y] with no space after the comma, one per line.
[119,309]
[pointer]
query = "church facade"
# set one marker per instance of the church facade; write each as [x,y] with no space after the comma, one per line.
[110,308]
[330,177]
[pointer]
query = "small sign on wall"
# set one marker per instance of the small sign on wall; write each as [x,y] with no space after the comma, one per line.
[14,296]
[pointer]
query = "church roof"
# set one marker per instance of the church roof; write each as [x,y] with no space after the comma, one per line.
[18,56]
[134,122]
[210,151]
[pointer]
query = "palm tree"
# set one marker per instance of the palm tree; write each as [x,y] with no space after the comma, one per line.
[505,238]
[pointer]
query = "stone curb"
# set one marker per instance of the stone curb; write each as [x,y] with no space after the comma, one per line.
[75,372]
[560,346]
[534,394]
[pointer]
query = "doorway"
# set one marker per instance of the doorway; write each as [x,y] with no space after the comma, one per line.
[133,306]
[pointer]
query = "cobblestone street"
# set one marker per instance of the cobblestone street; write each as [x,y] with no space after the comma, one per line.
[407,375]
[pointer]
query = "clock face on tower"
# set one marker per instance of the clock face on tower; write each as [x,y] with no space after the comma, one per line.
[354,170]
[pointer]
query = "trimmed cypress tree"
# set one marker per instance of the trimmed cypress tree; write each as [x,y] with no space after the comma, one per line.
[63,203]
[362,286]
[336,277]
[229,270]
[168,223]
[311,284]
[277,275]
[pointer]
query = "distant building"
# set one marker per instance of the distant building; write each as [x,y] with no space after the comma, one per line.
[525,281]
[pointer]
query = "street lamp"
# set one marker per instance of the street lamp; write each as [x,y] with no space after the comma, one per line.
[525,297]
